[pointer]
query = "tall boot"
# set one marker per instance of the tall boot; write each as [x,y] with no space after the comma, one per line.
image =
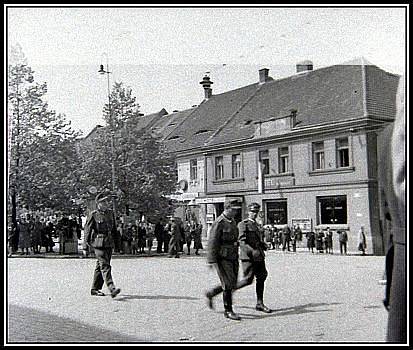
[229,313]
[210,294]
[259,287]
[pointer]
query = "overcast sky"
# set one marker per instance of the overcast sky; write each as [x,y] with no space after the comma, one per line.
[163,53]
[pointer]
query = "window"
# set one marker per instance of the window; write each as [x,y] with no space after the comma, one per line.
[332,210]
[219,168]
[236,166]
[283,160]
[265,162]
[193,169]
[318,155]
[276,212]
[342,153]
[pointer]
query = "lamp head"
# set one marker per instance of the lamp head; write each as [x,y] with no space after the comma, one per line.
[101,70]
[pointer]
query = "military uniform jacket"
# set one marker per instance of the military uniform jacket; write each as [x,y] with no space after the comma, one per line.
[251,241]
[100,230]
[223,240]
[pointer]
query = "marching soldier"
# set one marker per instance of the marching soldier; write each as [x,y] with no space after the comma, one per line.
[252,256]
[101,234]
[223,254]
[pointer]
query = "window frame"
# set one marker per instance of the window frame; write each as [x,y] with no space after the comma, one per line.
[193,169]
[316,153]
[219,167]
[236,166]
[281,158]
[339,149]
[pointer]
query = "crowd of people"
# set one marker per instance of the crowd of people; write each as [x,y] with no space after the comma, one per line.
[29,234]
[286,239]
[171,236]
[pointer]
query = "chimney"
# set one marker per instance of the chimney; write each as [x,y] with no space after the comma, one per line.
[304,66]
[206,83]
[263,75]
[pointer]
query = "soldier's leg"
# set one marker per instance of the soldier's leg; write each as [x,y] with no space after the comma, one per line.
[261,274]
[248,274]
[97,282]
[104,257]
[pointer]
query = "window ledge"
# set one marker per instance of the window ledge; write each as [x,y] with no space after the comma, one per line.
[280,175]
[227,181]
[347,169]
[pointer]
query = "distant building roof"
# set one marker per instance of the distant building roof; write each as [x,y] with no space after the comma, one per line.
[355,89]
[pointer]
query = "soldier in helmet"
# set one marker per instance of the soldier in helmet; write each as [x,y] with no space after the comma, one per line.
[101,234]
[252,256]
[223,254]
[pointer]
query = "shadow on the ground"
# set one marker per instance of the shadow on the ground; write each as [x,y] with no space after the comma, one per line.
[124,297]
[294,310]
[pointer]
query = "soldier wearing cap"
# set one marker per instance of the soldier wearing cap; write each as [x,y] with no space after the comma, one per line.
[101,234]
[252,256]
[223,254]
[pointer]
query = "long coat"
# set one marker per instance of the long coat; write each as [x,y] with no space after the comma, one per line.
[251,241]
[24,235]
[223,250]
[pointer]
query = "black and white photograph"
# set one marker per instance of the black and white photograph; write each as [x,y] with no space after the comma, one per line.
[205,174]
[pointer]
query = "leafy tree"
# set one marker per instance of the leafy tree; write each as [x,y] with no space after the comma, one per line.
[43,163]
[144,171]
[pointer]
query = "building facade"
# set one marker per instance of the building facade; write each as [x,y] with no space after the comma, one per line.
[303,147]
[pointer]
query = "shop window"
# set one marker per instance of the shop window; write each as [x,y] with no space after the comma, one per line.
[265,162]
[236,166]
[193,169]
[318,155]
[342,152]
[283,154]
[332,210]
[219,168]
[276,212]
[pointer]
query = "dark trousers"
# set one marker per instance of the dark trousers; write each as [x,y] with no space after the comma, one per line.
[103,270]
[250,270]
[397,322]
[343,247]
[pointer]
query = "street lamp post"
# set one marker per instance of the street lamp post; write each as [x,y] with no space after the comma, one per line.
[112,134]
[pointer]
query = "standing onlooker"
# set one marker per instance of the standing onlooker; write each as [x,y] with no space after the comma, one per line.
[141,237]
[362,244]
[167,236]
[342,239]
[277,238]
[320,241]
[294,240]
[198,238]
[36,235]
[310,241]
[150,235]
[48,236]
[134,234]
[268,233]
[176,238]
[188,231]
[126,237]
[159,236]
[25,234]
[13,238]
[286,237]
[329,241]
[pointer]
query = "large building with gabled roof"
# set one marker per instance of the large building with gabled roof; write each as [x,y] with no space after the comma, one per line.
[304,147]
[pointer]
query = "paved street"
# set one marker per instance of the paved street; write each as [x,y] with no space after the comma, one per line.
[317,298]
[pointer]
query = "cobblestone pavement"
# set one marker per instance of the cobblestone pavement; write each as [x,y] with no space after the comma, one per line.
[316,298]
